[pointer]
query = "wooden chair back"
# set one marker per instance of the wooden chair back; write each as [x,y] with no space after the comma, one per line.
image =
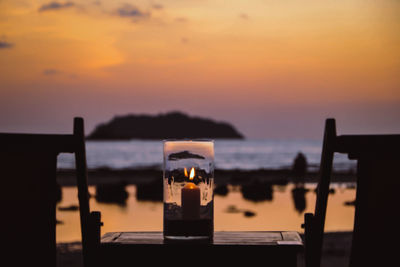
[90,220]
[377,212]
[376,217]
[28,194]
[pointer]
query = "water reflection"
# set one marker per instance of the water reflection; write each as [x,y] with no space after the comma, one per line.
[257,191]
[112,193]
[282,208]
[221,190]
[299,198]
[152,191]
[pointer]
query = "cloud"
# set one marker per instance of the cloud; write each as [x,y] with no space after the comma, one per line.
[51,72]
[5,45]
[181,19]
[55,6]
[157,6]
[244,16]
[130,11]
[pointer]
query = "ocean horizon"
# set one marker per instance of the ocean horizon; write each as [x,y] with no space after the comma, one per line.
[248,154]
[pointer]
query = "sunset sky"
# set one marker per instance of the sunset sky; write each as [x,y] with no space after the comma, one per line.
[274,69]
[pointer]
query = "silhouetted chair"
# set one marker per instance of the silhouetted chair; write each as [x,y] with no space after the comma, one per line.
[29,193]
[376,224]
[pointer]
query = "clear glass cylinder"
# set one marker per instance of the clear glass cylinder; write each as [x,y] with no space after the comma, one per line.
[188,189]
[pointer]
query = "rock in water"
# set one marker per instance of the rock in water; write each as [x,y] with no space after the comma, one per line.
[112,193]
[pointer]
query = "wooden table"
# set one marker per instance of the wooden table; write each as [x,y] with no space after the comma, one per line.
[227,248]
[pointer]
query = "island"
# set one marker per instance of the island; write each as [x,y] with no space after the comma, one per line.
[172,125]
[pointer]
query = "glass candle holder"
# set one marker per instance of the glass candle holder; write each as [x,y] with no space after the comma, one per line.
[188,190]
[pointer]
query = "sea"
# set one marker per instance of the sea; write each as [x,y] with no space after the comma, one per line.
[283,210]
[229,154]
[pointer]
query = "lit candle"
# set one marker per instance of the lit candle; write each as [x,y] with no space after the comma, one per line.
[190,199]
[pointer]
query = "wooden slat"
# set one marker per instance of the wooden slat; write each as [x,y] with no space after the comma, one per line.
[247,238]
[316,229]
[226,249]
[250,238]
[290,238]
[139,238]
[369,146]
[110,237]
[38,142]
[88,230]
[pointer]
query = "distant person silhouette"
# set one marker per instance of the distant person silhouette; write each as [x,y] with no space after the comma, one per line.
[299,168]
[299,171]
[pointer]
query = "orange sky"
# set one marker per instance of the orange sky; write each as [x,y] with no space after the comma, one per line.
[272,68]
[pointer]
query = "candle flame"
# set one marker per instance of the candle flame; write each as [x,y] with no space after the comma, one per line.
[191,173]
[185,171]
